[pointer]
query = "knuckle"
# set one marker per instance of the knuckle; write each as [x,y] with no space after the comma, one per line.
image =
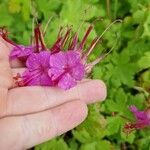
[38,128]
[48,127]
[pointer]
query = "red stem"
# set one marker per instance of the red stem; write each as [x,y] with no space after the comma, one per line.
[36,34]
[41,39]
[65,38]
[85,37]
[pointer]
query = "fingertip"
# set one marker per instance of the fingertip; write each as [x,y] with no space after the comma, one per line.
[81,110]
[75,112]
[101,89]
[92,91]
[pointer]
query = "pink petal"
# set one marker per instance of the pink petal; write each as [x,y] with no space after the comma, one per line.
[21,52]
[31,78]
[54,73]
[73,57]
[45,80]
[14,53]
[78,71]
[33,61]
[44,58]
[133,108]
[66,82]
[58,60]
[141,116]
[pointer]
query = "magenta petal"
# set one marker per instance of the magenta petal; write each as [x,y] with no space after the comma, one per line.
[133,108]
[58,60]
[43,58]
[33,61]
[73,57]
[78,71]
[45,80]
[54,73]
[66,82]
[31,78]
[141,116]
[38,66]
[21,52]
[14,53]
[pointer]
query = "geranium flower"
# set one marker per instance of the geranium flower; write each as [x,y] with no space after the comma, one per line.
[141,116]
[142,120]
[66,69]
[37,70]
[65,64]
[21,52]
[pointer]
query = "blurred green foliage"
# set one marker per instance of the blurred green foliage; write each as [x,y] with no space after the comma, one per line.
[126,70]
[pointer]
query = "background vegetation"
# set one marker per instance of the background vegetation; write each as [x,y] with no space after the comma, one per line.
[126,70]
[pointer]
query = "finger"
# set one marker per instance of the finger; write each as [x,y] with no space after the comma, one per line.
[33,99]
[13,63]
[31,130]
[5,76]
[5,71]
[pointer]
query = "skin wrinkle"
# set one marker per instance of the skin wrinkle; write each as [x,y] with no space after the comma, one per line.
[43,129]
[25,128]
[53,123]
[46,98]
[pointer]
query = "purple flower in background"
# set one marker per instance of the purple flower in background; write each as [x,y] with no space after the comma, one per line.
[142,120]
[37,70]
[21,52]
[66,69]
[141,116]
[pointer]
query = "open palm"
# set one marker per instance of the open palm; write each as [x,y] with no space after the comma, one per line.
[31,115]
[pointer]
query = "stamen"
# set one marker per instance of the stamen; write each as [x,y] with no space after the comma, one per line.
[60,32]
[18,76]
[56,47]
[4,33]
[36,33]
[90,48]
[41,38]
[66,36]
[46,26]
[73,43]
[85,37]
[97,39]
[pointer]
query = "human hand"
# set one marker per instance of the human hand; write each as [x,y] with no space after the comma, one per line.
[32,115]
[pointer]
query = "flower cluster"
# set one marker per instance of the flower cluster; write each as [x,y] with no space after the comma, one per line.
[142,120]
[62,65]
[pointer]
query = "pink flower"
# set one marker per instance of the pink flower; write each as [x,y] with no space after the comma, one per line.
[65,64]
[37,70]
[66,69]
[21,52]
[141,116]
[141,120]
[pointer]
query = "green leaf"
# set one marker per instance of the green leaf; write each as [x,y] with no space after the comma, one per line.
[15,6]
[144,62]
[53,145]
[114,125]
